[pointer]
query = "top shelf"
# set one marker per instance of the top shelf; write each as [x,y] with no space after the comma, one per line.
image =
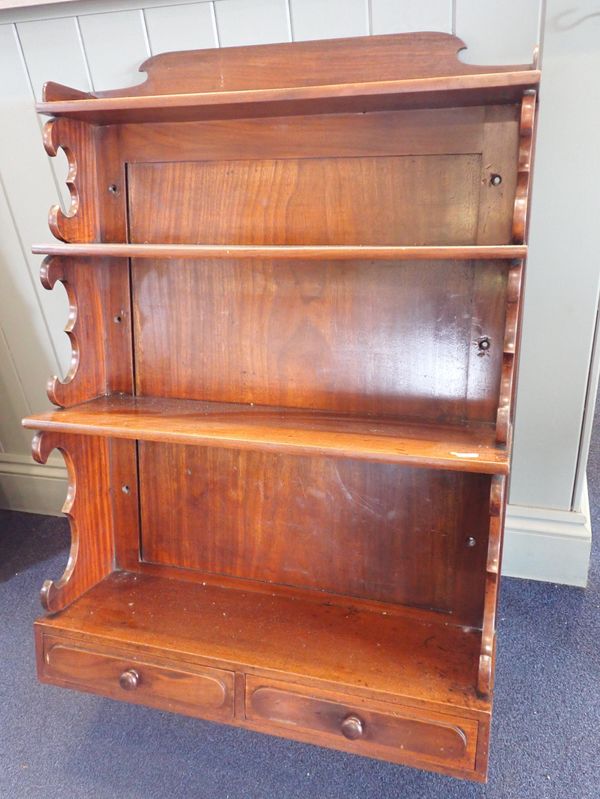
[390,95]
[371,73]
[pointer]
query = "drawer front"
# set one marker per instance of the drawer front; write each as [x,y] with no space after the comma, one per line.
[193,690]
[377,729]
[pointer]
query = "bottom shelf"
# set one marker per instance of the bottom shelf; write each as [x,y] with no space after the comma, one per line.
[409,653]
[397,685]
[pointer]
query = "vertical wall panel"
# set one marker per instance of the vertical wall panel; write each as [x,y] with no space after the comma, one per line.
[563,278]
[53,51]
[252,21]
[328,19]
[498,33]
[21,317]
[403,16]
[188,27]
[30,191]
[14,404]
[41,40]
[115,46]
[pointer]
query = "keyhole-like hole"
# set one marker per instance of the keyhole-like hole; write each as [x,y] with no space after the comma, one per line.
[113,188]
[125,489]
[117,319]
[495,180]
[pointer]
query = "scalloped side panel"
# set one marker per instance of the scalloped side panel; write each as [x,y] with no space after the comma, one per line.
[485,677]
[77,140]
[101,360]
[89,510]
[526,139]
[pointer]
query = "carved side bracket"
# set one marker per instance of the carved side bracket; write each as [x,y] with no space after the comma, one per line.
[88,507]
[101,360]
[76,139]
[515,275]
[511,337]
[526,128]
[488,634]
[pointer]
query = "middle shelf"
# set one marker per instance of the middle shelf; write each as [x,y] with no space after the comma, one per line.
[465,448]
[480,252]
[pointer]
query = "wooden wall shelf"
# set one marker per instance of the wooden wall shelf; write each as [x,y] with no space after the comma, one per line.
[288,470]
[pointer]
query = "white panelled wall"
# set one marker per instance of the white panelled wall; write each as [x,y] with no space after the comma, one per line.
[99,45]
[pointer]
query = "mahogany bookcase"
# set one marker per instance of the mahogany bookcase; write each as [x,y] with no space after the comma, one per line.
[295,277]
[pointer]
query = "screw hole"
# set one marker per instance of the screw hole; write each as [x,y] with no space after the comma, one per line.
[471,541]
[125,489]
[484,344]
[113,188]
[117,319]
[495,180]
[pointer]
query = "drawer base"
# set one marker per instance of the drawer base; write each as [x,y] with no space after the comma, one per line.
[326,715]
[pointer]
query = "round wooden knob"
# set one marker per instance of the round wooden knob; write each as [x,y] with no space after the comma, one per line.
[352,727]
[129,680]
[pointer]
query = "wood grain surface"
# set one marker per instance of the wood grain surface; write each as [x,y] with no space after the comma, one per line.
[360,200]
[294,335]
[465,448]
[427,662]
[262,516]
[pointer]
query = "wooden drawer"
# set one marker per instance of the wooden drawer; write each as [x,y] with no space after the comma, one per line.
[193,690]
[377,729]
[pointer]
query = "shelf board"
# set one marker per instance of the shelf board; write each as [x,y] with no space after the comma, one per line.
[470,448]
[384,95]
[302,252]
[402,652]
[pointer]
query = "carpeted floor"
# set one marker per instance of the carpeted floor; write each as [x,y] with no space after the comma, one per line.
[59,744]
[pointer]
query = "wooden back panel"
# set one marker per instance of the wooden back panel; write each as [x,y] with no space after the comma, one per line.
[360,200]
[357,337]
[367,530]
[390,339]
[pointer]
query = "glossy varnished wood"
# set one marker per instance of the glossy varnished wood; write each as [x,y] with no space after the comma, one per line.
[441,92]
[377,655]
[99,328]
[311,63]
[171,686]
[361,74]
[340,526]
[368,201]
[295,335]
[81,222]
[88,508]
[468,448]
[376,729]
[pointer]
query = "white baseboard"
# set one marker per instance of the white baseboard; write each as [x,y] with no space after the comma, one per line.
[540,544]
[31,487]
[549,545]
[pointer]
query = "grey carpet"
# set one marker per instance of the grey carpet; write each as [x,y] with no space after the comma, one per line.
[59,744]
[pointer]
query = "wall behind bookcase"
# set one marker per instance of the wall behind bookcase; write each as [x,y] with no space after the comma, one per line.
[98,45]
